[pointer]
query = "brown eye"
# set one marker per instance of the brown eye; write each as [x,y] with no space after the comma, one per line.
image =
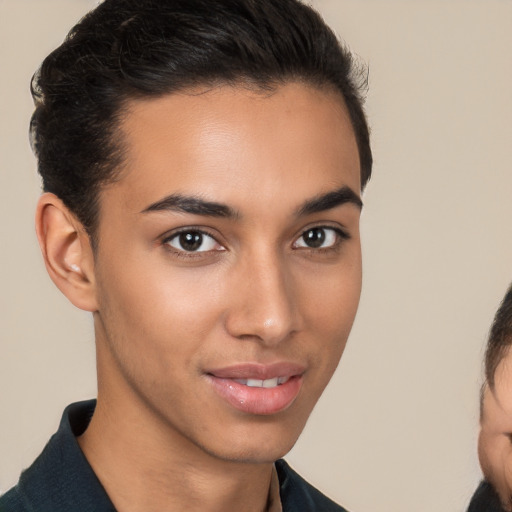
[193,241]
[314,237]
[319,238]
[190,241]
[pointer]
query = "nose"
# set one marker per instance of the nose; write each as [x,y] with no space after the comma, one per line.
[262,305]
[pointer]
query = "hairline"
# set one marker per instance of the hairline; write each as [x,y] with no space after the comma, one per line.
[266,88]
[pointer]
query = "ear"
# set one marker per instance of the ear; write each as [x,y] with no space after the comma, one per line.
[67,252]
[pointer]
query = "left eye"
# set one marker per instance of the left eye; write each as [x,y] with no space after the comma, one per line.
[193,241]
[318,238]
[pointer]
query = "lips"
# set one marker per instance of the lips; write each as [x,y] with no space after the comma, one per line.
[258,389]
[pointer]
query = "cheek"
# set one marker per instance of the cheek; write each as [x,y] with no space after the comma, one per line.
[484,454]
[329,306]
[160,314]
[330,300]
[495,455]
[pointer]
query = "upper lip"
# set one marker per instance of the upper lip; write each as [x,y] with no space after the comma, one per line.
[258,371]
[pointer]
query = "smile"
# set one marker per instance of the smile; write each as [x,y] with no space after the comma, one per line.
[258,389]
[267,383]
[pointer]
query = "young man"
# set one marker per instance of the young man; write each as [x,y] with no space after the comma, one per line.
[494,443]
[202,165]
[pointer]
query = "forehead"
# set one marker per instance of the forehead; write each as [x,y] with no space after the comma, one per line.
[234,142]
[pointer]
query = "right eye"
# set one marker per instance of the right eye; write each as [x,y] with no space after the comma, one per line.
[193,241]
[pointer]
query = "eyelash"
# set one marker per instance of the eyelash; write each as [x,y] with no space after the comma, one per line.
[341,236]
[181,253]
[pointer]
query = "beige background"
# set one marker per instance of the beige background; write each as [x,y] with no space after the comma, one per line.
[396,430]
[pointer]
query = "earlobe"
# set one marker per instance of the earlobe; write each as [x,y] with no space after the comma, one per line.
[67,251]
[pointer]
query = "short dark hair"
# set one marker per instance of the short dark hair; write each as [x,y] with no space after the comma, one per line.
[127,49]
[500,338]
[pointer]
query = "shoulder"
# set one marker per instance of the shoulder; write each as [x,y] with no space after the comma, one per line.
[11,501]
[485,499]
[60,479]
[299,495]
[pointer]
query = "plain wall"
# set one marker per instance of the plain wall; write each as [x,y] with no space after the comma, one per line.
[396,429]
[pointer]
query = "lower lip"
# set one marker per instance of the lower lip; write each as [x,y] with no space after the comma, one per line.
[252,400]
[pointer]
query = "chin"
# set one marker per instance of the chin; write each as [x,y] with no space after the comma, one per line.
[252,454]
[260,446]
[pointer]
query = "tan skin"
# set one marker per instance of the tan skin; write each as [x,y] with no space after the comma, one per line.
[495,439]
[253,290]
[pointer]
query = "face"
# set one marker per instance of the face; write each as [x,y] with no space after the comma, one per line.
[495,439]
[228,267]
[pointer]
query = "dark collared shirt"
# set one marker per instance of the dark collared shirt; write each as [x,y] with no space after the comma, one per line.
[485,499]
[61,479]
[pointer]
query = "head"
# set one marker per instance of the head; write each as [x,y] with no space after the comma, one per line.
[495,447]
[128,49]
[204,163]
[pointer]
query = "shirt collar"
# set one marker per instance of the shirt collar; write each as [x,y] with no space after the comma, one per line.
[274,499]
[61,478]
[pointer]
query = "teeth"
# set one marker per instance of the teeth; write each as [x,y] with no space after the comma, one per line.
[267,383]
[270,383]
[254,383]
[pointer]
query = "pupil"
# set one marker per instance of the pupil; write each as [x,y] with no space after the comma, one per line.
[314,237]
[191,241]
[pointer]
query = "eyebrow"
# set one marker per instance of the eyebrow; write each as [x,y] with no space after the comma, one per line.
[330,200]
[197,206]
[191,204]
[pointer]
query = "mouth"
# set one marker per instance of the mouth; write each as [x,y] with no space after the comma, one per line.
[258,389]
[267,383]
